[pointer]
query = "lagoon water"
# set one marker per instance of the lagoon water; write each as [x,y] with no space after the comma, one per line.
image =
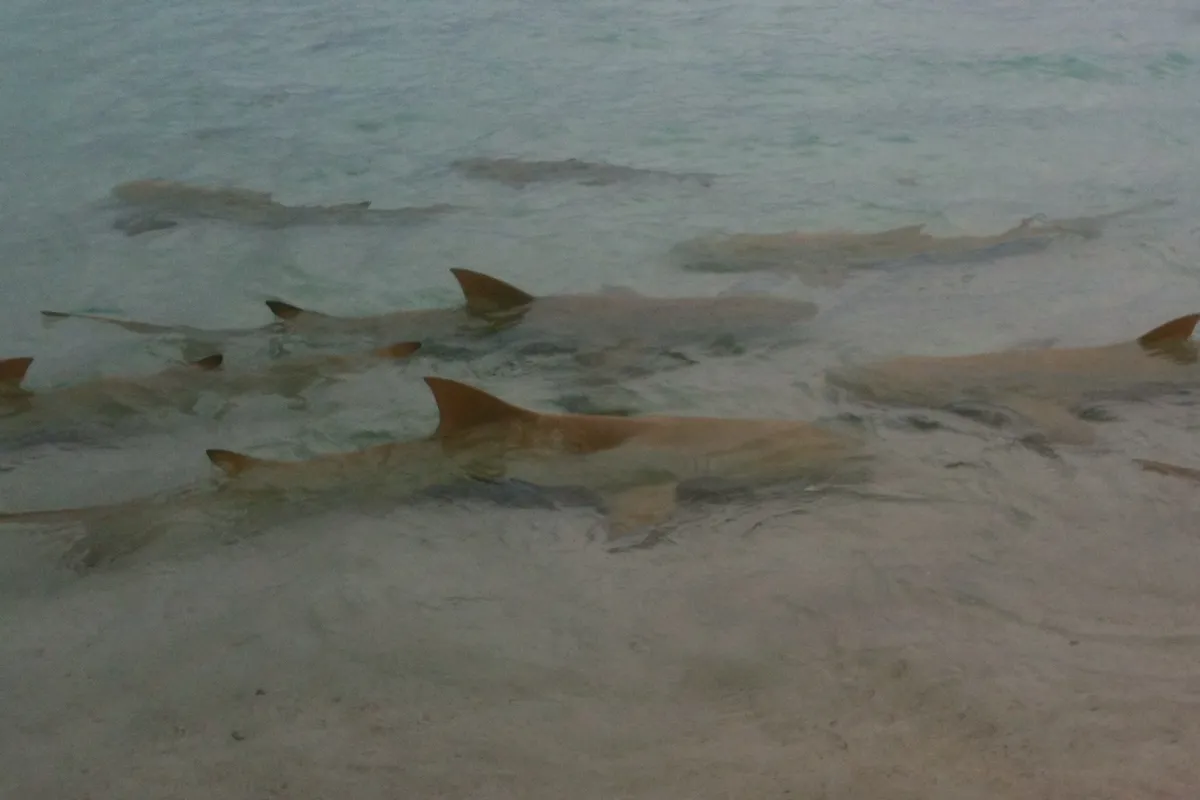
[988,621]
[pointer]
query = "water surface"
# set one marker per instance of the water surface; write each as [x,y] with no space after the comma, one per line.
[1024,625]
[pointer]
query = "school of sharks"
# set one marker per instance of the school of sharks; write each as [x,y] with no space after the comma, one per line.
[636,468]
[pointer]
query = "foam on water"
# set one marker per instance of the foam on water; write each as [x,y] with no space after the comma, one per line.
[1022,625]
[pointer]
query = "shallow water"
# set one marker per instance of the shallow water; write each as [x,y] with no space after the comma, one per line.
[985,620]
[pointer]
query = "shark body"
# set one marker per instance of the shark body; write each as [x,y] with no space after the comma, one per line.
[1045,385]
[162,202]
[635,464]
[598,321]
[824,257]
[518,173]
[177,387]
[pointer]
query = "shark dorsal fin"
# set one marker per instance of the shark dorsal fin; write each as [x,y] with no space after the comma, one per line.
[1170,339]
[231,463]
[284,310]
[398,350]
[462,407]
[1174,332]
[12,370]
[485,294]
[208,363]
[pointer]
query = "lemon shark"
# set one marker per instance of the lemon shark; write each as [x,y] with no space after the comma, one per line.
[823,257]
[1047,386]
[603,320]
[179,386]
[636,464]
[518,173]
[164,201]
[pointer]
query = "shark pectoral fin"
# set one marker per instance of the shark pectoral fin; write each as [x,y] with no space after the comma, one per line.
[1163,468]
[284,310]
[638,507]
[231,463]
[485,295]
[1054,420]
[12,370]
[208,363]
[398,350]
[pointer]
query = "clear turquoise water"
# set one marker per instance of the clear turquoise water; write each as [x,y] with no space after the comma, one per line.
[857,114]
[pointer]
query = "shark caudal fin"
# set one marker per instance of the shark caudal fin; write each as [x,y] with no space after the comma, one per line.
[12,370]
[284,310]
[486,295]
[208,362]
[1171,339]
[398,350]
[462,407]
[232,463]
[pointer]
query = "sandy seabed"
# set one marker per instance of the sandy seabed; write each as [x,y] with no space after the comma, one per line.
[957,648]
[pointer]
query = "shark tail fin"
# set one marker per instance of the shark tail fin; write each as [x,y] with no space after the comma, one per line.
[1173,332]
[284,310]
[485,294]
[208,363]
[462,407]
[12,370]
[398,350]
[232,463]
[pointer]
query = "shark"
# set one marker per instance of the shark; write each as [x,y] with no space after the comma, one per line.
[824,257]
[179,386]
[636,465]
[611,321]
[1048,386]
[518,173]
[163,202]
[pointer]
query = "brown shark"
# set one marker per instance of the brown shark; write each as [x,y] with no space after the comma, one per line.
[164,200]
[622,315]
[636,463]
[178,386]
[602,321]
[823,257]
[1043,385]
[518,173]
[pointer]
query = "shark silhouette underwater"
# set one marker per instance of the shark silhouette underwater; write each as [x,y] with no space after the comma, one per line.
[825,257]
[1049,387]
[604,321]
[519,173]
[635,465]
[178,387]
[162,203]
